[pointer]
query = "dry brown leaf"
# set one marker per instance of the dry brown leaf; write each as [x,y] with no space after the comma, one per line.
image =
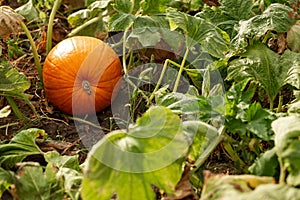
[9,21]
[183,189]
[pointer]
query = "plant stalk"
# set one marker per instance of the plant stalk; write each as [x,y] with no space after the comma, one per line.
[16,110]
[167,61]
[34,51]
[56,5]
[212,146]
[279,108]
[282,172]
[180,70]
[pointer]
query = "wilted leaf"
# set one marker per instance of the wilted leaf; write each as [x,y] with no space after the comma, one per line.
[9,22]
[293,36]
[232,186]
[21,146]
[246,187]
[4,112]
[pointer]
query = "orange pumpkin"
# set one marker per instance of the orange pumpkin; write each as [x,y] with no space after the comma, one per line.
[80,74]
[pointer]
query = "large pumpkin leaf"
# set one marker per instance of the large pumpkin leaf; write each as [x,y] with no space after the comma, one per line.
[267,68]
[228,14]
[129,162]
[274,18]
[199,31]
[21,146]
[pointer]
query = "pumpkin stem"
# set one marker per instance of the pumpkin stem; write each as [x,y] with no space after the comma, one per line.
[86,86]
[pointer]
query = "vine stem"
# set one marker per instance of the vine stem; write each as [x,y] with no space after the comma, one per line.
[34,51]
[180,70]
[167,61]
[56,5]
[282,171]
[211,147]
[15,108]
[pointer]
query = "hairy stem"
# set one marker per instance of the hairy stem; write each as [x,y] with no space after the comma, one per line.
[34,51]
[56,5]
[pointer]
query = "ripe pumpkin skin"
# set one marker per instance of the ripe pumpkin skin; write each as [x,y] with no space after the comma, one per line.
[76,63]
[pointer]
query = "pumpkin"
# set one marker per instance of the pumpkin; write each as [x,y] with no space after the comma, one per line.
[80,75]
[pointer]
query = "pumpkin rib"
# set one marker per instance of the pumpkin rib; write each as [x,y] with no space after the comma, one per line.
[53,71]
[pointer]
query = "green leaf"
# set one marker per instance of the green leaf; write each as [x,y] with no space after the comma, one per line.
[146,30]
[228,14]
[293,36]
[79,17]
[35,184]
[198,31]
[287,143]
[294,109]
[193,107]
[12,81]
[128,163]
[237,9]
[154,6]
[259,121]
[285,128]
[274,18]
[21,146]
[200,135]
[68,172]
[266,165]
[4,112]
[62,161]
[120,21]
[267,68]
[124,6]
[28,11]
[292,60]
[291,158]
[6,180]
